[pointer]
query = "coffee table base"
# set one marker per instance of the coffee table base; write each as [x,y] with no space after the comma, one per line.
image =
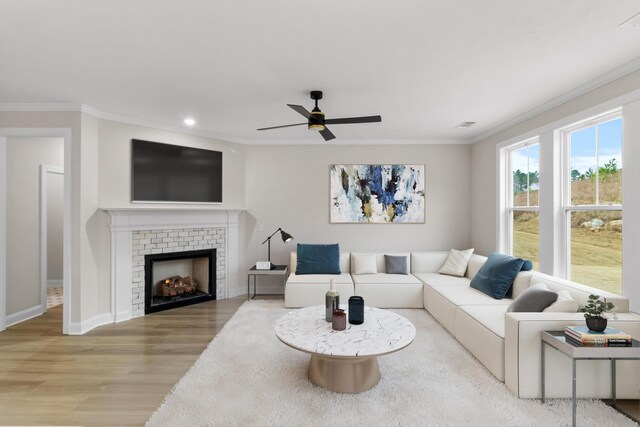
[344,374]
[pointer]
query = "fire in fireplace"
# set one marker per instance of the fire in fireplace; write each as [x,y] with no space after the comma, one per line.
[179,278]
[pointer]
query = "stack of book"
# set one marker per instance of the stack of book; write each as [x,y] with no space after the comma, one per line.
[610,337]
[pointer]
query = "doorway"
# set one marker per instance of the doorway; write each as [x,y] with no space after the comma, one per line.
[22,308]
[51,235]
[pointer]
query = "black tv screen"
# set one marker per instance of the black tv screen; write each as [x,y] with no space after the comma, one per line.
[171,173]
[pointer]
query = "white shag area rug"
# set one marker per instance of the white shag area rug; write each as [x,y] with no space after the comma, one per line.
[247,377]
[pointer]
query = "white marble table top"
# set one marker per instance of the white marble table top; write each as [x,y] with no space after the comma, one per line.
[382,332]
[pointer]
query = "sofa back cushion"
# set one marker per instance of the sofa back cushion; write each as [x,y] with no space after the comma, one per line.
[345,264]
[580,292]
[475,262]
[427,262]
[380,264]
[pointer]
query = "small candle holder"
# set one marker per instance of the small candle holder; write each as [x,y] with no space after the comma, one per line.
[356,310]
[339,320]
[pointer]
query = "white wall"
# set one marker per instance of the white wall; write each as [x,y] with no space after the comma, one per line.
[24,157]
[288,187]
[55,210]
[115,164]
[631,200]
[484,169]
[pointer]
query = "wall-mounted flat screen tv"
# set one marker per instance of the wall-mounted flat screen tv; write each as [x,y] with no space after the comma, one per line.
[172,173]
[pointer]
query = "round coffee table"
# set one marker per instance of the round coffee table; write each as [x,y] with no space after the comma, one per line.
[345,361]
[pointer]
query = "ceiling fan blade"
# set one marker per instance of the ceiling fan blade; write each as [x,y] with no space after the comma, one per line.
[347,120]
[327,135]
[283,126]
[300,109]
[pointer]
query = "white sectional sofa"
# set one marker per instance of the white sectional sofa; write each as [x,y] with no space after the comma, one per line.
[507,344]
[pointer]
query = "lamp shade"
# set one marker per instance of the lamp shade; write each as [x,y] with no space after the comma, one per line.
[286,237]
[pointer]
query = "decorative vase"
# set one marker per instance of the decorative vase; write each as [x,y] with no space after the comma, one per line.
[596,324]
[339,320]
[356,310]
[332,300]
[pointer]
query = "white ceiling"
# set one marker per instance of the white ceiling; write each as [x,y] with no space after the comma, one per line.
[233,65]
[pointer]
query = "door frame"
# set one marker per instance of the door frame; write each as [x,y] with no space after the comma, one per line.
[65,134]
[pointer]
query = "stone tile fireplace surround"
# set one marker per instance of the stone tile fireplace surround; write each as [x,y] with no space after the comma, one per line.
[138,232]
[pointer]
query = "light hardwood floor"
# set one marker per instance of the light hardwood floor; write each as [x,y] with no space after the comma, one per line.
[116,375]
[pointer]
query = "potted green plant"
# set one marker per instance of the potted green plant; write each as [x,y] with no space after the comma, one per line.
[595,311]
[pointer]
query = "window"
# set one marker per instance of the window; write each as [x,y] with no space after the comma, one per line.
[523,171]
[593,202]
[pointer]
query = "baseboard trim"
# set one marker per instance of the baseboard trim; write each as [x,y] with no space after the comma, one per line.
[23,315]
[80,328]
[55,282]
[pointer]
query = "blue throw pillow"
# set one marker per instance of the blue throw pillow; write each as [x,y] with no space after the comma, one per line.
[496,276]
[527,266]
[318,259]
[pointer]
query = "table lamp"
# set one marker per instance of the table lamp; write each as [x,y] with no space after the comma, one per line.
[286,238]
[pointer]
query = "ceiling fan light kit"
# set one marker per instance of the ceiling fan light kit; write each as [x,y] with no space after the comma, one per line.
[316,120]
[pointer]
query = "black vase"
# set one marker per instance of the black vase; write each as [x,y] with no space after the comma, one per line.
[596,324]
[356,310]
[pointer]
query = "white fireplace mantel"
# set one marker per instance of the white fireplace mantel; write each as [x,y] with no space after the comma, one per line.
[124,221]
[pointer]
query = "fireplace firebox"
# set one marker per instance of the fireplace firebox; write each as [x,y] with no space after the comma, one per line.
[178,279]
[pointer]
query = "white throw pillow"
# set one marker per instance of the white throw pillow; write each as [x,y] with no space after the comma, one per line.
[456,263]
[364,264]
[564,304]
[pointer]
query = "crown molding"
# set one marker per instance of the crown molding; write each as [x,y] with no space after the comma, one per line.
[94,112]
[600,81]
[41,107]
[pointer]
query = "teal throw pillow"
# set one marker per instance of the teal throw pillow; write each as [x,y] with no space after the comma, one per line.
[496,276]
[527,265]
[318,259]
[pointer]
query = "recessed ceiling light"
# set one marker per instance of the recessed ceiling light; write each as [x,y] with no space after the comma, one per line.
[466,124]
[189,122]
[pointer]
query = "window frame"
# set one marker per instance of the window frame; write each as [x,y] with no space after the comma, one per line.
[567,207]
[509,205]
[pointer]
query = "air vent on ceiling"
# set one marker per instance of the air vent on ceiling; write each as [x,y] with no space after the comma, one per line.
[465,125]
[634,21]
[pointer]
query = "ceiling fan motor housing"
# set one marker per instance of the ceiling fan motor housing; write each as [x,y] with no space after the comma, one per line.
[316,120]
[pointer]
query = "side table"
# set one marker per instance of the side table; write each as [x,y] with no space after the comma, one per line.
[556,340]
[280,270]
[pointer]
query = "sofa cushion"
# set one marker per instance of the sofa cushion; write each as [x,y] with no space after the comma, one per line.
[437,279]
[318,259]
[386,278]
[320,278]
[564,304]
[464,295]
[364,264]
[456,263]
[490,316]
[396,264]
[496,276]
[475,263]
[391,295]
[427,262]
[533,300]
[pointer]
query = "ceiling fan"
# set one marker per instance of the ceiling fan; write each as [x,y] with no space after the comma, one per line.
[317,122]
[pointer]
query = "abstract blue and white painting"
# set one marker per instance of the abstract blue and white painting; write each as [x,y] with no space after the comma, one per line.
[377,194]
